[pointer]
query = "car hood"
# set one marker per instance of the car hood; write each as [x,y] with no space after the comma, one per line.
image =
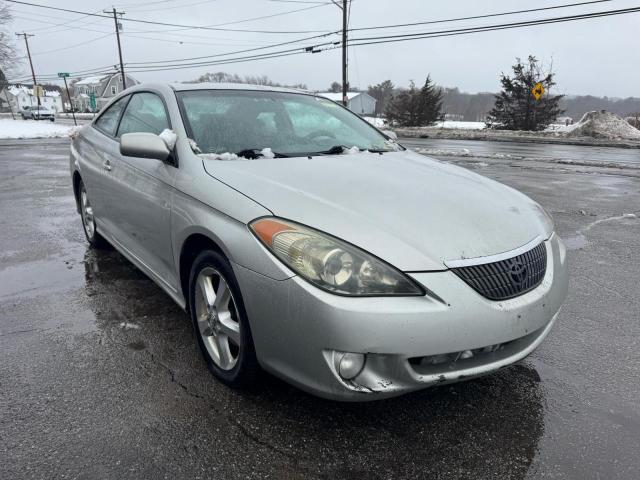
[415,212]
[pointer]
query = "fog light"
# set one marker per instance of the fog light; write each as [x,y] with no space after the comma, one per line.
[351,364]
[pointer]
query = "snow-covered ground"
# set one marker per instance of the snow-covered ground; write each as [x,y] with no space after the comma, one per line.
[377,121]
[32,129]
[453,124]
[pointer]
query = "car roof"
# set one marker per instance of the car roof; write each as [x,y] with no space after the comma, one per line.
[233,86]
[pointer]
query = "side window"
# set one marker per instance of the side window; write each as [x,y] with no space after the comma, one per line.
[108,121]
[145,113]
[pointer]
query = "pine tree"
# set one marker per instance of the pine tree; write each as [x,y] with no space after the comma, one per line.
[416,107]
[516,108]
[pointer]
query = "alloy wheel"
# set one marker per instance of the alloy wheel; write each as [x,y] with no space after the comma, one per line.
[88,221]
[217,318]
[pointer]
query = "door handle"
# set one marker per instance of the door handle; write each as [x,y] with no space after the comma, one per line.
[107,165]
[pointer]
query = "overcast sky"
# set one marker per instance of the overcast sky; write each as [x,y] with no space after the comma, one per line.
[597,57]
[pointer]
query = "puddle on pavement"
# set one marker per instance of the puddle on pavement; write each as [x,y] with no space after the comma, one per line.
[46,276]
[576,242]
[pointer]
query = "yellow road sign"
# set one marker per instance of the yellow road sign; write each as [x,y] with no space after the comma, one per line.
[538,91]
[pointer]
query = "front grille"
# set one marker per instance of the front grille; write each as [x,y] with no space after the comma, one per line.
[507,278]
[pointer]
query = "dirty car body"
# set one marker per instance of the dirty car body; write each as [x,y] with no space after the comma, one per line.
[364,273]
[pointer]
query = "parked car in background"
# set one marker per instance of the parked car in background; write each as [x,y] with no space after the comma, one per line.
[38,113]
[304,241]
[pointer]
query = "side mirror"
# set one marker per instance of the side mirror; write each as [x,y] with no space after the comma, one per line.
[391,134]
[144,145]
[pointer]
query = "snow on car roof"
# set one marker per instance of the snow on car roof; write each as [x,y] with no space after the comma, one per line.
[232,86]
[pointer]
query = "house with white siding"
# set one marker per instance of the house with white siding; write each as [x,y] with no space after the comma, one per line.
[21,95]
[358,102]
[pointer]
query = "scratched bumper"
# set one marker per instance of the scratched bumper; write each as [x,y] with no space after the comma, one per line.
[300,330]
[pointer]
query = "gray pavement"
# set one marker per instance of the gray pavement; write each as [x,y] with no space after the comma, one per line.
[101,377]
[528,150]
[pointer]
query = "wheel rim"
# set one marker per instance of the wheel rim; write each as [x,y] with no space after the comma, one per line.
[217,318]
[87,214]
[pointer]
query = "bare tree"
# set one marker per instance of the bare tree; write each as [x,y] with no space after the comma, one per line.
[7,50]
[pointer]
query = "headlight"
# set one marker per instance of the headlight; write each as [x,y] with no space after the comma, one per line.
[329,263]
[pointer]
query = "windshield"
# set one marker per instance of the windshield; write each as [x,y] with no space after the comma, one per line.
[290,124]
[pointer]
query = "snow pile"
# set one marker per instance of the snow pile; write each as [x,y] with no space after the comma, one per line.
[350,151]
[169,137]
[457,125]
[228,156]
[32,129]
[603,124]
[463,152]
[377,121]
[225,157]
[267,153]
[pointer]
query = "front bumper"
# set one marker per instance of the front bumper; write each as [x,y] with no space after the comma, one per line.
[300,331]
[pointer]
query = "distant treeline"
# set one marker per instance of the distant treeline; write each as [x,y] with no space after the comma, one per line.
[474,106]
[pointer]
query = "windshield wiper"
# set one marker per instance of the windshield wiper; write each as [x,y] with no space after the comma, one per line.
[335,150]
[253,153]
[338,149]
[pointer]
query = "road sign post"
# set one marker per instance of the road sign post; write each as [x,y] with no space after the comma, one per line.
[64,76]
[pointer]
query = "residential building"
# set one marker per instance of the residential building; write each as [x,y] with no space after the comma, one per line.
[358,102]
[21,95]
[104,87]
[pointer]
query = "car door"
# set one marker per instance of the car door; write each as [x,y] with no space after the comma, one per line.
[141,193]
[97,149]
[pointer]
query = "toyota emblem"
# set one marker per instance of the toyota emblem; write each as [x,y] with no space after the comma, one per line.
[518,272]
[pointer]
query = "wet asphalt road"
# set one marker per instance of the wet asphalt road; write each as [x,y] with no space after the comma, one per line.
[492,149]
[100,376]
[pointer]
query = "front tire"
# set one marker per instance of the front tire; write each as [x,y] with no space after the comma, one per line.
[88,220]
[220,321]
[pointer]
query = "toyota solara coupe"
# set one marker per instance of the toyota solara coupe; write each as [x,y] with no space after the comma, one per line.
[305,242]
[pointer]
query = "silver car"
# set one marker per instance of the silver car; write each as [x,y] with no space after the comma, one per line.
[38,113]
[303,241]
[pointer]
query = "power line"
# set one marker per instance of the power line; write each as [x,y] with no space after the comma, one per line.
[478,17]
[53,25]
[387,39]
[165,24]
[377,40]
[200,2]
[488,28]
[281,44]
[71,46]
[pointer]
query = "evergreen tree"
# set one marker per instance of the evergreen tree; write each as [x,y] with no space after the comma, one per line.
[516,108]
[430,110]
[416,107]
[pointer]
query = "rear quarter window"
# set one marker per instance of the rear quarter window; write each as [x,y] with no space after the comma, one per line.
[107,123]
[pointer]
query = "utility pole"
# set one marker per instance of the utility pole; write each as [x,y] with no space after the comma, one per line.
[345,84]
[115,20]
[33,74]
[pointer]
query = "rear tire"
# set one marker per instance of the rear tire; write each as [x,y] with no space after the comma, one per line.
[220,321]
[88,220]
